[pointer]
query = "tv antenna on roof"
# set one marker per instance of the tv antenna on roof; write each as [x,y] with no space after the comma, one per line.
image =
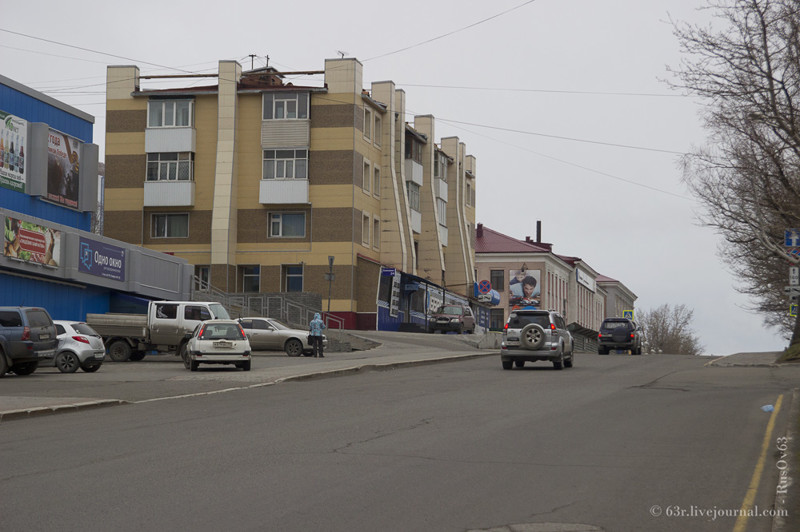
[341,53]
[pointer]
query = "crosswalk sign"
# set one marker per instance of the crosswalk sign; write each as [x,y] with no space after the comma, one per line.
[793,310]
[627,314]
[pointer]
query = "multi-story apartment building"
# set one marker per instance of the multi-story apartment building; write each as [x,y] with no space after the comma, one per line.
[268,187]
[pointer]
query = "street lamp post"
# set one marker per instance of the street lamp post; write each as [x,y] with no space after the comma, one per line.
[329,277]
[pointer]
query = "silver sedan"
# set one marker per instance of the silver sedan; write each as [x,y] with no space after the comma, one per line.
[267,334]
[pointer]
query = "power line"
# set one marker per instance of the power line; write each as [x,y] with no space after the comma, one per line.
[452,32]
[546,91]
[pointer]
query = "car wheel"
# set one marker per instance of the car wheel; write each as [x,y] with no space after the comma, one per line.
[3,363]
[24,369]
[246,365]
[293,347]
[568,361]
[137,356]
[507,364]
[532,336]
[67,362]
[119,351]
[559,362]
[193,365]
[519,363]
[185,355]
[602,351]
[90,368]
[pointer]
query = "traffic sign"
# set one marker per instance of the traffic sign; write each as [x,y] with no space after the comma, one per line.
[793,310]
[484,287]
[627,314]
[791,238]
[794,275]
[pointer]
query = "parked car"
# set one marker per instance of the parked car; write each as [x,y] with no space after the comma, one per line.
[267,334]
[26,335]
[217,342]
[450,317]
[619,333]
[79,346]
[532,335]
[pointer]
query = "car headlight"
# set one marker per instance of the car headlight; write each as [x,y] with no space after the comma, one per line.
[453,320]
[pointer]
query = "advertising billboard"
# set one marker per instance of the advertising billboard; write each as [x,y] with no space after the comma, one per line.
[63,168]
[103,260]
[29,242]
[524,288]
[13,146]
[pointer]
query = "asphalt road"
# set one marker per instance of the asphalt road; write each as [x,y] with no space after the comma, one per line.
[616,443]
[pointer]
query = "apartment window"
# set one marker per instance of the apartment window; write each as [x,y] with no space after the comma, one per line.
[366,176]
[290,106]
[441,208]
[413,195]
[497,319]
[367,123]
[413,149]
[170,166]
[170,225]
[293,278]
[376,181]
[376,233]
[498,280]
[169,113]
[365,223]
[378,129]
[251,278]
[440,166]
[287,225]
[285,164]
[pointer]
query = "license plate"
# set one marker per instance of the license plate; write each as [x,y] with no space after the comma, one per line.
[223,343]
[44,336]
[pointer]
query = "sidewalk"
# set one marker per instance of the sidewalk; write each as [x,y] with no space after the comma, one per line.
[761,359]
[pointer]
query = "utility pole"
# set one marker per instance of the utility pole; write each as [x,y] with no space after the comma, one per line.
[329,277]
[251,56]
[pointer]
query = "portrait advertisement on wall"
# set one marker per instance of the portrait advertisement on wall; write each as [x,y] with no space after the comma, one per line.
[524,288]
[63,168]
[13,146]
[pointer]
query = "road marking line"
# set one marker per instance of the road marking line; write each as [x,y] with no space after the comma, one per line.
[752,490]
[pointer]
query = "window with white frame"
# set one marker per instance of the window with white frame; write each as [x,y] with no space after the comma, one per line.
[287,225]
[285,106]
[365,223]
[367,123]
[178,166]
[440,166]
[376,233]
[413,195]
[170,113]
[366,177]
[376,181]
[169,225]
[378,129]
[285,164]
[441,208]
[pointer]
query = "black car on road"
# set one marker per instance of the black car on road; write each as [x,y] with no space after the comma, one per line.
[619,333]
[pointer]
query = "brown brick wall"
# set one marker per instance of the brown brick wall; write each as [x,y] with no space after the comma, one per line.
[335,225]
[126,171]
[334,167]
[344,115]
[126,121]
[366,289]
[123,225]
[199,227]
[314,281]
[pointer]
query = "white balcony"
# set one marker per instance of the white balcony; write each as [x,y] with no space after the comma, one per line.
[170,139]
[443,235]
[416,221]
[283,191]
[441,189]
[413,171]
[169,193]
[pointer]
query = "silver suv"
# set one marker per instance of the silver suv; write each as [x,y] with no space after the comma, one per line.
[532,335]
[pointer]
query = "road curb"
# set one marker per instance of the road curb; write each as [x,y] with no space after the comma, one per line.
[783,500]
[45,410]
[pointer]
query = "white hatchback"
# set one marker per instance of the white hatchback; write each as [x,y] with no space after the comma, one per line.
[217,342]
[79,346]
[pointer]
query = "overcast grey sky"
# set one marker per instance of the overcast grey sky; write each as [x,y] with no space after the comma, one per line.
[562,103]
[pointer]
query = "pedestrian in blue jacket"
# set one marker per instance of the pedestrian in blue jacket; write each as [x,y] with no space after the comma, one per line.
[315,335]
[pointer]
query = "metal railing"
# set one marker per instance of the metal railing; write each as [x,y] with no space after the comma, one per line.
[276,306]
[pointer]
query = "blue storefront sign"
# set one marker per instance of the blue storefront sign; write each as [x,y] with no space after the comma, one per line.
[103,260]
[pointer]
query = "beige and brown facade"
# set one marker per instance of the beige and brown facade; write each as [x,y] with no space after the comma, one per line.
[258,183]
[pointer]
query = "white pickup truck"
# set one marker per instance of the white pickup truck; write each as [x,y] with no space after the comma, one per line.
[162,329]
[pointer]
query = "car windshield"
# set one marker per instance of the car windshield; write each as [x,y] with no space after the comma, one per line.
[221,331]
[449,309]
[219,311]
[616,325]
[518,321]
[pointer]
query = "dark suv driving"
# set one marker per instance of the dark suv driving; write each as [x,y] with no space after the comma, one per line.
[452,317]
[619,333]
[26,334]
[532,335]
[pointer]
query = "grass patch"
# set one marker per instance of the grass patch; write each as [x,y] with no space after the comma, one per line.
[791,354]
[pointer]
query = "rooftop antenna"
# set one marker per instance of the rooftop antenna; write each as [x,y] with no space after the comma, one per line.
[341,53]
